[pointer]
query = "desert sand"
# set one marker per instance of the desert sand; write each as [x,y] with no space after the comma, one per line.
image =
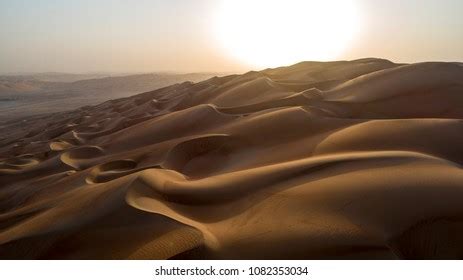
[336,160]
[28,95]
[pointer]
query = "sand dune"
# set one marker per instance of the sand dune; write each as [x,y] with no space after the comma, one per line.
[26,95]
[338,160]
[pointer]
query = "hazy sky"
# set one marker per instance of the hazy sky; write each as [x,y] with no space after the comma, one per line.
[178,35]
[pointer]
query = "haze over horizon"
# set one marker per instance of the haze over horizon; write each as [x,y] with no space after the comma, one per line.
[182,36]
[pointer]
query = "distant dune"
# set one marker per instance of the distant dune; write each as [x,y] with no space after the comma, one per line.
[59,77]
[32,94]
[319,160]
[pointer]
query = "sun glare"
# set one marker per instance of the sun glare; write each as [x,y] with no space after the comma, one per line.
[269,33]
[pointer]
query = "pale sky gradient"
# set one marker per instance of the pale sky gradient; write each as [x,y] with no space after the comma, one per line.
[177,35]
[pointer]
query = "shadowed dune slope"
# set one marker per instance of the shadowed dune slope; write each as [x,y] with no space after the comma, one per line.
[320,160]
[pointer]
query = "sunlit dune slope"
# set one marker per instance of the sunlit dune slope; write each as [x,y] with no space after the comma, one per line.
[319,160]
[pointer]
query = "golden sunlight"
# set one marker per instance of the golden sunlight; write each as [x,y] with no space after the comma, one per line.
[269,33]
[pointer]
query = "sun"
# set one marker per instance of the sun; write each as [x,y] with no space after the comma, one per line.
[270,33]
